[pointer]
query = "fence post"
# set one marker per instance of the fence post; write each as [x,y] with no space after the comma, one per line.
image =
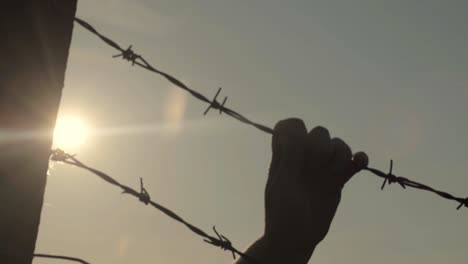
[34,42]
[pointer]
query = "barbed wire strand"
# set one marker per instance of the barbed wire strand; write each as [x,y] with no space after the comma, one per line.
[61,257]
[143,196]
[390,178]
[129,55]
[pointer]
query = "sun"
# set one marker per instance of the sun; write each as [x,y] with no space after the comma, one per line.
[70,132]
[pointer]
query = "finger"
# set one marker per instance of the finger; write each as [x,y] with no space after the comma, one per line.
[290,133]
[288,146]
[360,162]
[340,162]
[319,147]
[318,153]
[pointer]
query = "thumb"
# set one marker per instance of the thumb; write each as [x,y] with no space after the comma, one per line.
[359,162]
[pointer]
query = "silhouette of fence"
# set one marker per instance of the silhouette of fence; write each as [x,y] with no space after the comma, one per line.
[144,197]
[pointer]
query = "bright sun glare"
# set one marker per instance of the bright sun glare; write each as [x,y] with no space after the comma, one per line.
[70,132]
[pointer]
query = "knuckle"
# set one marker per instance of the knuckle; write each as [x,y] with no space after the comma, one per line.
[290,124]
[320,131]
[340,146]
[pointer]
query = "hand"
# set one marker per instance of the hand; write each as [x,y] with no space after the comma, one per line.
[307,173]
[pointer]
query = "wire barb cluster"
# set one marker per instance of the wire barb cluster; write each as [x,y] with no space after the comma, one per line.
[392,178]
[128,55]
[221,242]
[215,104]
[143,196]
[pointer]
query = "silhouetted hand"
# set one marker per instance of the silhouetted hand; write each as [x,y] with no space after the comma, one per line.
[307,173]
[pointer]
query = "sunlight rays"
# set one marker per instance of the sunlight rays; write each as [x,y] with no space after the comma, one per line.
[70,132]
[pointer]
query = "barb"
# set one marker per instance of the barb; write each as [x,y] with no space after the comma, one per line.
[392,178]
[222,242]
[215,104]
[61,257]
[463,203]
[143,196]
[128,55]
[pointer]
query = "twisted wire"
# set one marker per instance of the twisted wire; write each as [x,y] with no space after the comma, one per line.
[405,182]
[129,55]
[143,196]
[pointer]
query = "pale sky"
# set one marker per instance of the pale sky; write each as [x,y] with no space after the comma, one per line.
[389,77]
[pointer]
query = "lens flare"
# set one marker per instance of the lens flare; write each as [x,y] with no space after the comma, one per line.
[70,132]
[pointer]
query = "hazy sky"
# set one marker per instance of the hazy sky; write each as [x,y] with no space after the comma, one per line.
[389,77]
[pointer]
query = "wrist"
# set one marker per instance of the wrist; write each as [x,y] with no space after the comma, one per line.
[272,250]
[291,250]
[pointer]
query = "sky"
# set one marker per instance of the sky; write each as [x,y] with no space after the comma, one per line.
[389,77]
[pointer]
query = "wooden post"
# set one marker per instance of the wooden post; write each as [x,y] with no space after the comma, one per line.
[34,42]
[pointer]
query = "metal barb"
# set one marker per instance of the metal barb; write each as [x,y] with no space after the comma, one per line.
[222,105]
[222,242]
[214,103]
[389,175]
[144,195]
[60,155]
[128,55]
[390,178]
[463,203]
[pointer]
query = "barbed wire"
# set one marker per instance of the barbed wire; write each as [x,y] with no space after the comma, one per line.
[390,178]
[136,59]
[61,257]
[129,55]
[143,196]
